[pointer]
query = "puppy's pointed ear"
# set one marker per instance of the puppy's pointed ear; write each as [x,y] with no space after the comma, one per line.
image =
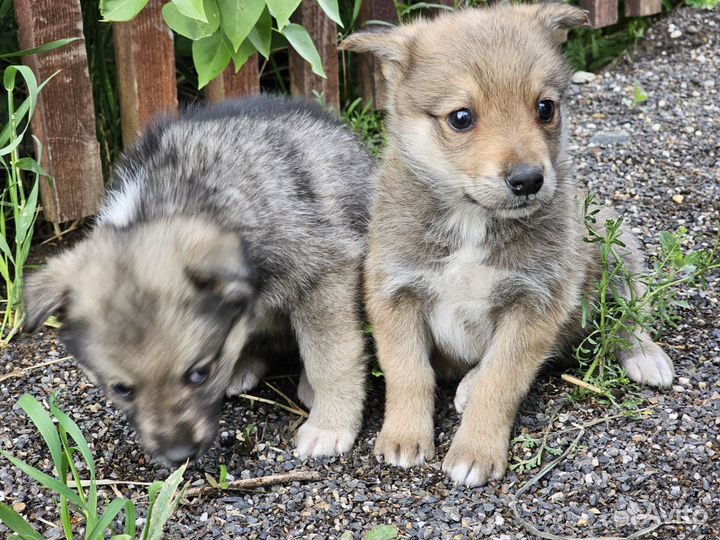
[217,264]
[47,291]
[387,45]
[391,48]
[559,16]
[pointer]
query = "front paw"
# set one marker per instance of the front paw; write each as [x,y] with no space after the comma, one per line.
[648,364]
[473,460]
[314,441]
[405,448]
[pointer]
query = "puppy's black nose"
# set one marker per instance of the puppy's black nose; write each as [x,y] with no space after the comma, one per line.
[525,179]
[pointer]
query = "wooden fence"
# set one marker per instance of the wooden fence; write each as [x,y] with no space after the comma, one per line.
[64,121]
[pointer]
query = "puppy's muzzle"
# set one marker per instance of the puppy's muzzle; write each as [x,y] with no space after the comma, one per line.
[524,179]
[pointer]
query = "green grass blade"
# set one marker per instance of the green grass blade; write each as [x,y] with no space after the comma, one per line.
[41,49]
[111,512]
[153,491]
[41,418]
[167,501]
[17,524]
[48,481]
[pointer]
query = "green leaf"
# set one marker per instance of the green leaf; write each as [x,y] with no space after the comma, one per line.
[382,532]
[282,9]
[331,9]
[238,17]
[261,35]
[72,429]
[17,524]
[7,252]
[222,481]
[44,424]
[189,27]
[195,9]
[245,51]
[166,502]
[48,481]
[111,512]
[211,55]
[29,164]
[121,10]
[303,44]
[41,49]
[211,480]
[26,108]
[28,212]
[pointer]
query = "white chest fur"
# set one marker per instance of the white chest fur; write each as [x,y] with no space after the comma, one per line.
[459,313]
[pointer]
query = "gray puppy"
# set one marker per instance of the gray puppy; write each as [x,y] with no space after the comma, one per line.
[476,260]
[225,227]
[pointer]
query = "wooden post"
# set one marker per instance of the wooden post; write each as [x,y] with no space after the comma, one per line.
[145,57]
[369,75]
[323,32]
[642,8]
[229,84]
[602,12]
[64,120]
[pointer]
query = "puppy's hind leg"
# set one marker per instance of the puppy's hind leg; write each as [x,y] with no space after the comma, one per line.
[248,374]
[645,362]
[331,343]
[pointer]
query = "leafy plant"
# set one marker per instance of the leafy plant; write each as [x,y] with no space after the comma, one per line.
[609,313]
[65,443]
[19,198]
[230,30]
[382,532]
[367,123]
[702,4]
[639,95]
[537,448]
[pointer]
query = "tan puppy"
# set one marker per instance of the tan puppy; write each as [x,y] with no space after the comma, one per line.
[476,260]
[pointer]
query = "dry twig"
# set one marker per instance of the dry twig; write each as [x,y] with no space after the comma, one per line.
[24,371]
[259,482]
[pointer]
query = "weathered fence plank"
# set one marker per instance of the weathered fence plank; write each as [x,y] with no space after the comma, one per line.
[642,8]
[145,57]
[369,75]
[323,32]
[602,12]
[64,120]
[229,84]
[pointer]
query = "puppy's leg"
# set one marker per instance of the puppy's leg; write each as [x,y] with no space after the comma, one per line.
[406,437]
[479,449]
[645,362]
[462,394]
[249,371]
[331,343]
[306,395]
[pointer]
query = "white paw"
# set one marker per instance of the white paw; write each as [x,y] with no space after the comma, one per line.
[462,395]
[305,393]
[475,462]
[313,441]
[404,449]
[246,377]
[648,364]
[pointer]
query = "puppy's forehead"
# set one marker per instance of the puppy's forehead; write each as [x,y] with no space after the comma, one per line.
[481,53]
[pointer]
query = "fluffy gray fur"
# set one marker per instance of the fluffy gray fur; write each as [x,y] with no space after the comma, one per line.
[224,227]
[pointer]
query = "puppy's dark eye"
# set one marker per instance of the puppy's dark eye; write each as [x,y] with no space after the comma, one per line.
[461,120]
[546,110]
[198,376]
[123,391]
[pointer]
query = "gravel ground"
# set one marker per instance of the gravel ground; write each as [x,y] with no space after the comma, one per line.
[662,170]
